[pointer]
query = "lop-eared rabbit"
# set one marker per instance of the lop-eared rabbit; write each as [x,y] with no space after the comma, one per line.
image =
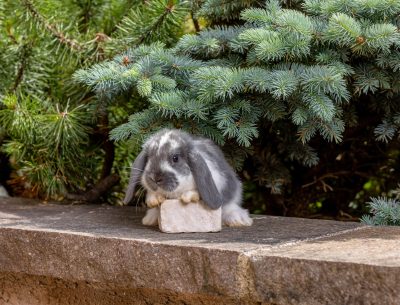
[176,165]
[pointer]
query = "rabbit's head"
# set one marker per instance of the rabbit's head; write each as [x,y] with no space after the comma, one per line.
[169,165]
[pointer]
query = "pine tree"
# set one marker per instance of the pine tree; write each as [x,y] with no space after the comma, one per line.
[55,133]
[270,82]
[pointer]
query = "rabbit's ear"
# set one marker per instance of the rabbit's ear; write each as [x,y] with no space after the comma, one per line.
[136,173]
[206,187]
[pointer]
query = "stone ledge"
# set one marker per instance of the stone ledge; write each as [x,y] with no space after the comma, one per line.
[104,252]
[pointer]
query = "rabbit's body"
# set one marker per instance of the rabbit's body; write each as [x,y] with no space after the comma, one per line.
[176,165]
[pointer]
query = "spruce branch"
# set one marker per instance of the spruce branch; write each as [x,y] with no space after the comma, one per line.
[385,212]
[333,175]
[275,71]
[344,30]
[385,131]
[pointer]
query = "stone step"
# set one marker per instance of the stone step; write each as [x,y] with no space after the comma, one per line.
[98,254]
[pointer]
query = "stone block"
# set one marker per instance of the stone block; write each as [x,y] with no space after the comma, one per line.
[61,254]
[3,191]
[179,217]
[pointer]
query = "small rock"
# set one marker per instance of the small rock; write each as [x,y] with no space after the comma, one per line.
[178,217]
[3,191]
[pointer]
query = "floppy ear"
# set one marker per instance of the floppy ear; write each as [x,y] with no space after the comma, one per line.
[205,183]
[136,173]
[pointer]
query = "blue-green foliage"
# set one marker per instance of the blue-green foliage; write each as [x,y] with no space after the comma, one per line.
[293,70]
[385,212]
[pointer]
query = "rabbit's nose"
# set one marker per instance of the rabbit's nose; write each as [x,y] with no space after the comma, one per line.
[158,178]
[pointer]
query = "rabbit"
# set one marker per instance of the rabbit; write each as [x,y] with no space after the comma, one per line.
[176,165]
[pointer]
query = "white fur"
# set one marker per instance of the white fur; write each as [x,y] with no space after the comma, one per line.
[185,183]
[151,217]
[154,199]
[152,145]
[164,139]
[190,196]
[174,144]
[233,215]
[3,192]
[164,166]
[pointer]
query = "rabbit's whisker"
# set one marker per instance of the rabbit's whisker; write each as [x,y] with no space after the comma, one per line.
[138,169]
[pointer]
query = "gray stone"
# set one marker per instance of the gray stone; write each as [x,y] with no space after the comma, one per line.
[95,254]
[179,217]
[357,267]
[3,191]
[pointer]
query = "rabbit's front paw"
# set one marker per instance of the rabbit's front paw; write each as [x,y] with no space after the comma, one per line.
[154,200]
[190,196]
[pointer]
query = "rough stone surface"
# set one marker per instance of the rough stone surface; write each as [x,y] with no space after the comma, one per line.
[20,289]
[66,254]
[178,217]
[356,267]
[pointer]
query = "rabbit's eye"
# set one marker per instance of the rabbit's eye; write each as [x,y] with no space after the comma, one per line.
[175,158]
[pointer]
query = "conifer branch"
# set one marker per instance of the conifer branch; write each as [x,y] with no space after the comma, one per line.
[195,22]
[168,10]
[61,37]
[334,175]
[385,212]
[108,146]
[11,36]
[22,65]
[94,194]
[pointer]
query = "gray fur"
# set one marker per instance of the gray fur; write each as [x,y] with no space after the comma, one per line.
[165,180]
[214,153]
[192,153]
[205,184]
[136,173]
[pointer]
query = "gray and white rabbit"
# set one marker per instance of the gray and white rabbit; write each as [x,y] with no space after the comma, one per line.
[176,165]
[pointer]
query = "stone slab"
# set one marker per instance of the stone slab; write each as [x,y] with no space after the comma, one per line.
[357,267]
[276,261]
[20,289]
[125,223]
[194,217]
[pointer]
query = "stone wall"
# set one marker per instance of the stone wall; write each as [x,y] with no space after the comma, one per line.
[94,254]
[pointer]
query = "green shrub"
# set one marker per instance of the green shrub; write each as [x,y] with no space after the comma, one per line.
[280,88]
[56,134]
[385,212]
[301,95]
